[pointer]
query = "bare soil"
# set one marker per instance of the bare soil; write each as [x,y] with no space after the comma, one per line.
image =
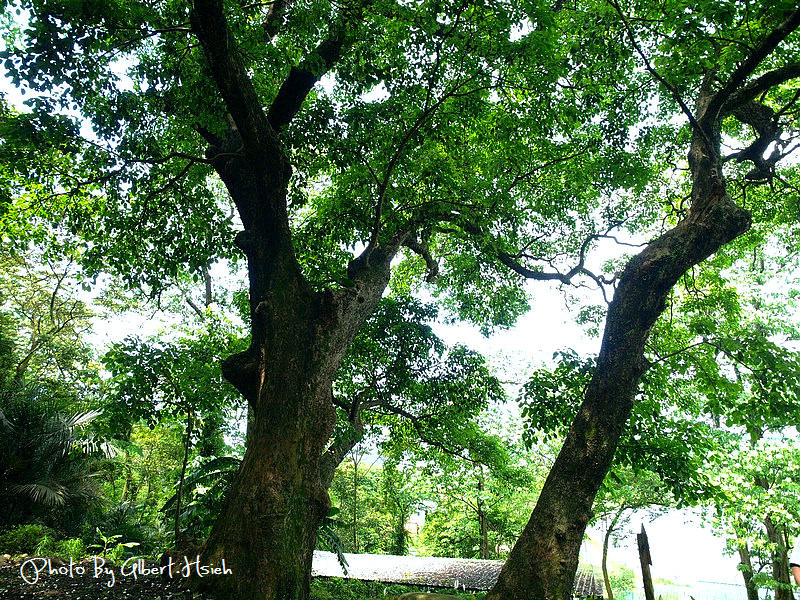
[60,580]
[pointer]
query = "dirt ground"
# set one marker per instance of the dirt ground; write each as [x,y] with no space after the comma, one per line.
[36,579]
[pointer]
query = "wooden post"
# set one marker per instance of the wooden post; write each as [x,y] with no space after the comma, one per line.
[646,561]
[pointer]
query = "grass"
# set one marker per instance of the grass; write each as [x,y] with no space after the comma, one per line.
[334,588]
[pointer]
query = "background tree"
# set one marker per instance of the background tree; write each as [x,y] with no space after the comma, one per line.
[363,522]
[481,496]
[47,320]
[624,492]
[400,386]
[757,510]
[174,382]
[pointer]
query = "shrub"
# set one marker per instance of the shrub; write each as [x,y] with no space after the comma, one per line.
[622,580]
[73,548]
[45,545]
[25,539]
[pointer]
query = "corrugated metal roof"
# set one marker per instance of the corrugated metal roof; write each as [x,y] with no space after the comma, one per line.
[432,571]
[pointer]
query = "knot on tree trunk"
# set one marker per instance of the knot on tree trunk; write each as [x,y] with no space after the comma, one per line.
[244,372]
[723,219]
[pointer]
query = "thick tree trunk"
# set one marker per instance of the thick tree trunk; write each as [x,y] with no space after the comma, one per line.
[268,529]
[267,532]
[543,562]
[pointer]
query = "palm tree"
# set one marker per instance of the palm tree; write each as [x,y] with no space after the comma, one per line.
[47,465]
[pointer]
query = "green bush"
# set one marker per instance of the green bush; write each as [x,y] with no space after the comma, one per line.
[73,548]
[622,580]
[45,545]
[26,539]
[334,588]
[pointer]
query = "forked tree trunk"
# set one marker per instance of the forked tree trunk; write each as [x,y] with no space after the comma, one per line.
[780,559]
[267,530]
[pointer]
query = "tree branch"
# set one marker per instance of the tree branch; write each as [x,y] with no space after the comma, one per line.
[750,64]
[302,79]
[384,186]
[422,250]
[273,21]
[672,90]
[761,84]
[210,26]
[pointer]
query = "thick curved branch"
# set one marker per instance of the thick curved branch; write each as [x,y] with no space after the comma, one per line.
[345,442]
[302,79]
[211,28]
[765,121]
[759,85]
[421,248]
[750,64]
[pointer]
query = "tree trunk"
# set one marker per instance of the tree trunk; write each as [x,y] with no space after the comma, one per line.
[780,560]
[355,504]
[187,445]
[606,539]
[747,572]
[483,525]
[267,532]
[268,528]
[543,562]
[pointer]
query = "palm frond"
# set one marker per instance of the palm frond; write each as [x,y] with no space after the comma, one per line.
[45,493]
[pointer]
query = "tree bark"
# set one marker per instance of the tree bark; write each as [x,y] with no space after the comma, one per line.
[747,572]
[267,530]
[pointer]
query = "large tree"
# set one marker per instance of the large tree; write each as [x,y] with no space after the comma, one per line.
[477,134]
[720,83]
[193,119]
